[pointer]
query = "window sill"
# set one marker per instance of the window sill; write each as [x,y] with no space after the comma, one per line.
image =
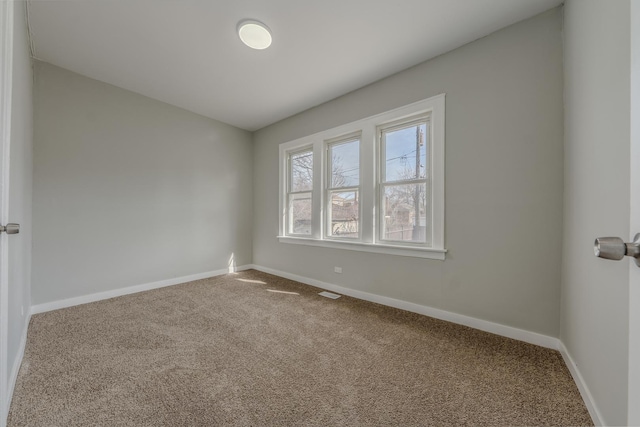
[414,252]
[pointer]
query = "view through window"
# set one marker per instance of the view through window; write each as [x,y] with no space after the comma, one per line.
[374,185]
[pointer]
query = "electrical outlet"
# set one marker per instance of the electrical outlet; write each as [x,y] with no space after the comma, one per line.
[337,270]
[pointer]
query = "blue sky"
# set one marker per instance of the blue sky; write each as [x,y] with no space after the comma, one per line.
[347,155]
[400,153]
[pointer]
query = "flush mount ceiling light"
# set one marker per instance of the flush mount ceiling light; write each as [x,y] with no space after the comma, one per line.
[254,34]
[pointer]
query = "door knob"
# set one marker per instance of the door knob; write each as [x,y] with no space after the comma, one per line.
[615,248]
[10,228]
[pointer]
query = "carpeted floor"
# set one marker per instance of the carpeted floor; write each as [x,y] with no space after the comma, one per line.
[255,349]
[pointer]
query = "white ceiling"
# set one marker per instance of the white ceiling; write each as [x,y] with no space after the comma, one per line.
[187,52]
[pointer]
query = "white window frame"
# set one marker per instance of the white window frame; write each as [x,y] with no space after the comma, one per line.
[328,188]
[369,184]
[290,193]
[381,172]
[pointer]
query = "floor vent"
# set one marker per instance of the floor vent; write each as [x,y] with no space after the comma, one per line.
[329,295]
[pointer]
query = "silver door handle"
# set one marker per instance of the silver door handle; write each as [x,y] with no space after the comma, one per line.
[10,228]
[615,248]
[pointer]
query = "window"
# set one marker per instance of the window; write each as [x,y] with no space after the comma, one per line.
[343,188]
[299,195]
[374,185]
[403,185]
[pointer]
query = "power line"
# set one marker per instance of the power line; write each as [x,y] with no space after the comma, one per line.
[405,155]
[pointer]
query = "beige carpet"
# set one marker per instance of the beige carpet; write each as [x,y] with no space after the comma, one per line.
[255,349]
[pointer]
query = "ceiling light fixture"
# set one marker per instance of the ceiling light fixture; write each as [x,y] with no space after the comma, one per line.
[254,34]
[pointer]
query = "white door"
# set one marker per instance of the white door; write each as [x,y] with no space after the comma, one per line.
[634,272]
[6,46]
[614,248]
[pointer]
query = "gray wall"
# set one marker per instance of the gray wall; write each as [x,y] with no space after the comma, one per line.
[504,155]
[20,187]
[129,190]
[595,312]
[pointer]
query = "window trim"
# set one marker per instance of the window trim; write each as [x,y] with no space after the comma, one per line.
[415,252]
[290,192]
[382,182]
[369,182]
[328,189]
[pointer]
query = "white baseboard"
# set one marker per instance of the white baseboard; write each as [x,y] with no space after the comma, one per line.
[483,325]
[582,386]
[13,374]
[70,302]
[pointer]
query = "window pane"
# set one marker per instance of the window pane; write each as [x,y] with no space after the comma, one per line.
[300,213]
[404,213]
[344,214]
[405,153]
[345,164]
[302,171]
